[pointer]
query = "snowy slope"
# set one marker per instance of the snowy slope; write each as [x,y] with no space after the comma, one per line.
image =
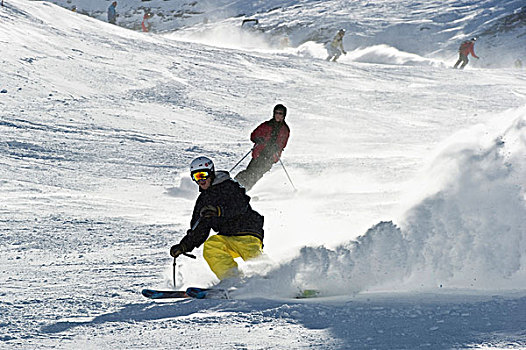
[378,32]
[410,214]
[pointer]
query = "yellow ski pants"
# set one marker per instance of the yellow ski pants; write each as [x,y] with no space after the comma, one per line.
[220,251]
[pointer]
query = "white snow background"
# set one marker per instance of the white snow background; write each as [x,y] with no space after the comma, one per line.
[410,214]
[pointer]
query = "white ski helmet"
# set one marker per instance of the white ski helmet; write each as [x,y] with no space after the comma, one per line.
[202,163]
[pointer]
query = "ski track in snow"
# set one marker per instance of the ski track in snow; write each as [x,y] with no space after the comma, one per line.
[409,216]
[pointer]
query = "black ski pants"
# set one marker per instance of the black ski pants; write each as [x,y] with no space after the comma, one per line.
[254,171]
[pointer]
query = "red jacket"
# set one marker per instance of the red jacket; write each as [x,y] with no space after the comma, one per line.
[274,137]
[466,48]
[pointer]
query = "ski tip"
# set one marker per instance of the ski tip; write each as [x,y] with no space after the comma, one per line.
[148,293]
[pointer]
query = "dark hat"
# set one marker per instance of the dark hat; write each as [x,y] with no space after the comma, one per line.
[281,108]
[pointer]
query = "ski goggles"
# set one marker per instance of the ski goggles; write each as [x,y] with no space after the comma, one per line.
[200,175]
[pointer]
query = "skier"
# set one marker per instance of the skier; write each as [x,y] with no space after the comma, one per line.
[270,138]
[112,13]
[466,48]
[335,47]
[145,23]
[224,207]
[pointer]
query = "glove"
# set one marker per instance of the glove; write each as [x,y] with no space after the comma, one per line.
[210,211]
[177,250]
[259,140]
[345,52]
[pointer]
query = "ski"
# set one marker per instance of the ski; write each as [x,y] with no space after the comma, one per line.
[191,292]
[164,294]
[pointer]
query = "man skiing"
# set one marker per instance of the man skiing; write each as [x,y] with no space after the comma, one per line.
[335,47]
[112,13]
[270,138]
[466,48]
[224,207]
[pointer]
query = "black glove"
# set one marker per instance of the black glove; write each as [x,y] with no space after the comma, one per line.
[177,250]
[259,140]
[210,211]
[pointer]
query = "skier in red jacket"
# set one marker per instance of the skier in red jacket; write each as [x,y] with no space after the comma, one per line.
[145,23]
[466,48]
[270,139]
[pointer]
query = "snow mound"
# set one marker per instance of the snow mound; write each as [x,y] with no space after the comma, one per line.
[385,54]
[231,36]
[186,189]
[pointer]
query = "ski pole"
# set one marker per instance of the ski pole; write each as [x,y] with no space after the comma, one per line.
[287,175]
[187,254]
[175,265]
[242,159]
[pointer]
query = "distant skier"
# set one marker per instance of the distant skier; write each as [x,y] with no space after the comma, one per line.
[112,13]
[335,47]
[145,23]
[224,207]
[466,48]
[270,138]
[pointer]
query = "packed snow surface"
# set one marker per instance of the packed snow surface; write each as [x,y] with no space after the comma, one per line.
[410,211]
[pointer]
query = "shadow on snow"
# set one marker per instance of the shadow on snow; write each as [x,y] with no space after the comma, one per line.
[407,322]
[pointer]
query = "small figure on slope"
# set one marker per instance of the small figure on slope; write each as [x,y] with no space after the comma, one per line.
[224,207]
[270,138]
[112,13]
[466,48]
[335,47]
[145,23]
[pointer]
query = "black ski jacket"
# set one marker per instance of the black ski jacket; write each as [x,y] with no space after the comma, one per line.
[236,216]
